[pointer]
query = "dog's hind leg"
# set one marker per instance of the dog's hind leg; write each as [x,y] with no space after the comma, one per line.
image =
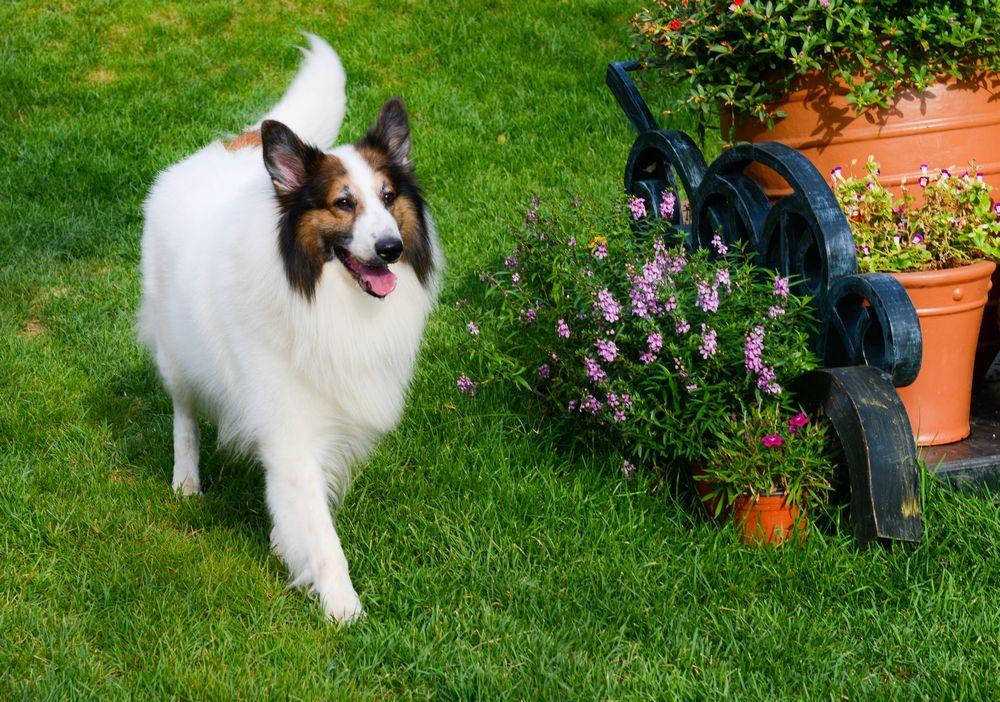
[186,438]
[304,535]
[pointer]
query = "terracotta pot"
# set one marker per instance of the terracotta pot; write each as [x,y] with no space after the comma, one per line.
[705,488]
[768,520]
[950,305]
[945,126]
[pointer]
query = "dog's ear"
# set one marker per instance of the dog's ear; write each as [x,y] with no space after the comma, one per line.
[392,131]
[286,158]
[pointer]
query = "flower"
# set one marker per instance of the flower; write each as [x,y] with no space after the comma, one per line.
[598,241]
[824,3]
[594,370]
[781,288]
[674,26]
[627,469]
[771,441]
[709,346]
[708,297]
[918,238]
[638,207]
[797,422]
[722,278]
[655,342]
[837,173]
[473,329]
[562,329]
[720,247]
[601,252]
[691,387]
[607,350]
[607,305]
[922,181]
[646,357]
[667,199]
[682,327]
[775,311]
[466,385]
[544,371]
[529,315]
[515,278]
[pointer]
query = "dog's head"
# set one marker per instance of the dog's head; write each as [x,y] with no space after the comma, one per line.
[359,204]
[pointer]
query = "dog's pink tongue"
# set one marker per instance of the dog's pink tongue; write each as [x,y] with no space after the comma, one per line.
[380,281]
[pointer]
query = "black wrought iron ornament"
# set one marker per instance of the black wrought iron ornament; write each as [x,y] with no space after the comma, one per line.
[870,334]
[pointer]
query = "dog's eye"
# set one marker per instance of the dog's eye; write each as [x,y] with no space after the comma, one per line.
[388,197]
[344,203]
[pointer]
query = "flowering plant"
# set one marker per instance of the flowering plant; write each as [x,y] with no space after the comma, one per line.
[745,54]
[640,339]
[956,224]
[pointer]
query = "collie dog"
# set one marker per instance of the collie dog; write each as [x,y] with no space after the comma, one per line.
[285,286]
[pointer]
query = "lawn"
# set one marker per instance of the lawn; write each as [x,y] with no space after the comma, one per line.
[495,560]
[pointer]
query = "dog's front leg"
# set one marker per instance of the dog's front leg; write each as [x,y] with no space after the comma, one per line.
[303,534]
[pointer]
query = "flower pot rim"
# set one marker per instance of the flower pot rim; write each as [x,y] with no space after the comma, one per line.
[946,276]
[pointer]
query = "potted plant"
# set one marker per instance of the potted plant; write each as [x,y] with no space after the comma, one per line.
[837,79]
[677,357]
[943,253]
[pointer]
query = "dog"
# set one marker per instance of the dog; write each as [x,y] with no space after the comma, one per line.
[285,288]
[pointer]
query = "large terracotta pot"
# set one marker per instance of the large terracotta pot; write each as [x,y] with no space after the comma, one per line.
[768,520]
[950,305]
[945,126]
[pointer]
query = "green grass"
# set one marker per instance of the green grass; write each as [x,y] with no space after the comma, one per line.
[494,560]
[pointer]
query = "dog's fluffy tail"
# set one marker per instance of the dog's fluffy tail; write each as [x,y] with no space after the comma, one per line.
[314,104]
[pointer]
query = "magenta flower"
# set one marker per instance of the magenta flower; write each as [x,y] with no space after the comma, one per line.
[922,181]
[473,329]
[781,288]
[996,208]
[466,385]
[529,315]
[607,305]
[708,297]
[682,327]
[627,469]
[544,371]
[646,357]
[607,350]
[797,422]
[722,278]
[562,329]
[771,441]
[667,203]
[775,311]
[591,404]
[638,207]
[837,173]
[918,238]
[601,252]
[594,370]
[720,247]
[709,346]
[655,342]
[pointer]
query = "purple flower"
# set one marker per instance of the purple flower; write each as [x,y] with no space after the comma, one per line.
[655,342]
[945,174]
[682,327]
[607,305]
[529,315]
[720,247]
[837,173]
[918,238]
[771,440]
[607,350]
[619,415]
[627,469]
[753,350]
[667,202]
[866,250]
[680,367]
[466,385]
[691,387]
[638,207]
[996,208]
[594,370]
[708,297]
[571,405]
[572,242]
[775,311]
[473,329]
[601,252]
[922,181]
[515,278]
[562,329]
[646,357]
[709,347]
[781,288]
[797,422]
[544,371]
[722,278]
[591,404]
[511,261]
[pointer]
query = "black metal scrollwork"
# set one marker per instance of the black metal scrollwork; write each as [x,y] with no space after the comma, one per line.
[868,319]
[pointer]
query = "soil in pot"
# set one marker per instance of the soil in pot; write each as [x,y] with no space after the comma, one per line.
[768,519]
[944,126]
[950,305]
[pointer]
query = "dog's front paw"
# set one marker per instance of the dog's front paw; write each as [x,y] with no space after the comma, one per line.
[187,487]
[342,605]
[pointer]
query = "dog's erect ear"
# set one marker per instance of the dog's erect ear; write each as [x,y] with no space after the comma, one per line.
[392,132]
[286,158]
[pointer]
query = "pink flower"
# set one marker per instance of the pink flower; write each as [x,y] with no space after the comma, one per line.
[562,329]
[607,305]
[638,207]
[837,173]
[655,342]
[775,311]
[824,3]
[918,238]
[473,329]
[683,327]
[544,371]
[691,387]
[722,278]
[708,297]
[771,441]
[709,346]
[720,247]
[627,469]
[594,370]
[466,385]
[797,422]
[607,350]
[667,203]
[601,252]
[781,288]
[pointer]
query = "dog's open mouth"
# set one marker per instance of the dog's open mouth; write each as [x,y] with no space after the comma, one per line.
[376,280]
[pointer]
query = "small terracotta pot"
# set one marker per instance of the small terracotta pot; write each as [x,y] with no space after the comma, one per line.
[768,520]
[950,305]
[944,126]
[705,488]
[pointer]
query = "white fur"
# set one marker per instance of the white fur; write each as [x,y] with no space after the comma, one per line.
[305,385]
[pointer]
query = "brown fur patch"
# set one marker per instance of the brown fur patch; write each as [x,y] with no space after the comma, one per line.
[246,140]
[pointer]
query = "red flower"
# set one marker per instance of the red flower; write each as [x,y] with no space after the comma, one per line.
[674,26]
[739,3]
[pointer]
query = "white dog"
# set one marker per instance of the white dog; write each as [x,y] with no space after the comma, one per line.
[284,292]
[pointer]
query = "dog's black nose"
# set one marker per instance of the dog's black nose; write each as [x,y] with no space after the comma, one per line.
[389,249]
